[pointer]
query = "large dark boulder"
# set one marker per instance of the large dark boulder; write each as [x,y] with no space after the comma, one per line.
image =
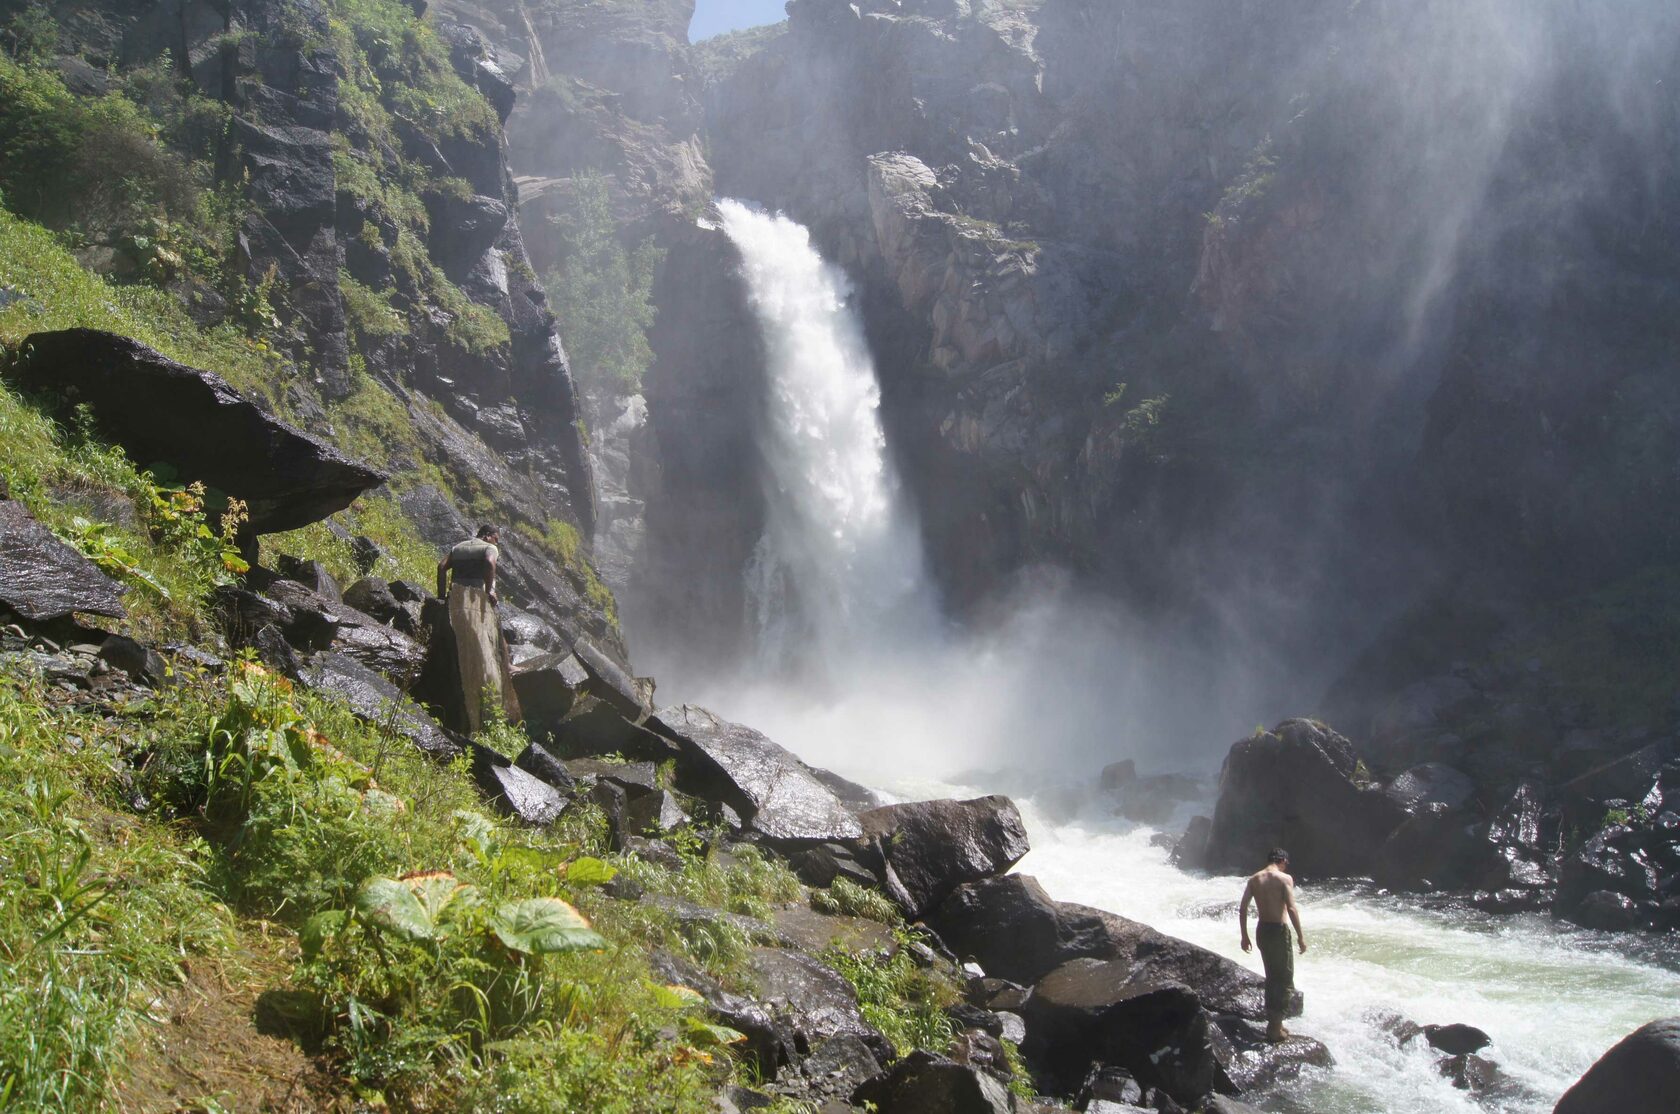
[162,411]
[925,1083]
[1432,783]
[1641,1075]
[379,702]
[595,727]
[1295,787]
[1437,848]
[1014,930]
[42,579]
[929,848]
[313,621]
[1120,1013]
[1610,863]
[813,999]
[773,791]
[770,1045]
[1456,1038]
[548,688]
[611,683]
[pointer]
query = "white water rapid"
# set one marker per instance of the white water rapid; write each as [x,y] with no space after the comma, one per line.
[889,695]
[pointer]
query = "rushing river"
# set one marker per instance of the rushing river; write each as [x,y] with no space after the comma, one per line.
[856,672]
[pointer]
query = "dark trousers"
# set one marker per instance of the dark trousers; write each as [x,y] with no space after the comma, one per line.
[1277,952]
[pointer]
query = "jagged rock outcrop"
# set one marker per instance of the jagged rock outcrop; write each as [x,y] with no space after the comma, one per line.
[929,848]
[1294,787]
[163,412]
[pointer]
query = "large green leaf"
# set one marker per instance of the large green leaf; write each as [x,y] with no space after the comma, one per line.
[543,924]
[590,872]
[396,908]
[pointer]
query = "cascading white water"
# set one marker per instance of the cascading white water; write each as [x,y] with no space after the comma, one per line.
[839,567]
[907,704]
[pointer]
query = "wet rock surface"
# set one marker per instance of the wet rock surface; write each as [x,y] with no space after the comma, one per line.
[1640,1075]
[378,701]
[929,848]
[159,410]
[774,792]
[42,579]
[813,999]
[1294,787]
[924,1083]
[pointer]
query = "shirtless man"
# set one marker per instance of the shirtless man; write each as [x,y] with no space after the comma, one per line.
[1274,892]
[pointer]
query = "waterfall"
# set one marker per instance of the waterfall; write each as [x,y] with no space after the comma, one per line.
[838,571]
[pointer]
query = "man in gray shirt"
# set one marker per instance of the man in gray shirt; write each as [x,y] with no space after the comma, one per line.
[473,562]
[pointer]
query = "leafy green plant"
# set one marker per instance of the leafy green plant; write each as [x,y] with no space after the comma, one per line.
[846,897]
[904,1001]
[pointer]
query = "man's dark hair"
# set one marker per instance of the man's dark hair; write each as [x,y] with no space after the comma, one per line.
[487,531]
[1278,855]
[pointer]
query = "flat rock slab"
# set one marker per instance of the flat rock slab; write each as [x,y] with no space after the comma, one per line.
[514,792]
[777,794]
[42,579]
[162,411]
[379,702]
[932,847]
[814,932]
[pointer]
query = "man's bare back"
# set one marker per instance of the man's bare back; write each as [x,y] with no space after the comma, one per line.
[1273,893]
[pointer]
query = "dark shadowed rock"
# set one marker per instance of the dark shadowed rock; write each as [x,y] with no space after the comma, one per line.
[929,848]
[548,688]
[379,702]
[594,727]
[515,792]
[1015,931]
[1190,852]
[380,600]
[1641,1075]
[654,813]
[635,778]
[536,760]
[611,683]
[813,998]
[1121,1013]
[312,575]
[162,411]
[1431,783]
[143,664]
[1116,775]
[923,1083]
[822,864]
[313,621]
[1294,787]
[836,1067]
[42,579]
[775,793]
[1456,1039]
[1469,1072]
[1436,848]
[274,651]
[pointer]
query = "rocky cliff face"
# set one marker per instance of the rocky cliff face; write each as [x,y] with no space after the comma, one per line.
[1266,320]
[376,216]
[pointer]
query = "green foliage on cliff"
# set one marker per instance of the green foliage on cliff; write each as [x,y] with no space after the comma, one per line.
[603,293]
[413,74]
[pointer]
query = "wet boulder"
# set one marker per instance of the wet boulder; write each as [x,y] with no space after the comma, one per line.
[515,792]
[1641,1075]
[814,1000]
[1089,1012]
[1190,852]
[397,605]
[1456,1039]
[594,727]
[1014,930]
[929,848]
[611,683]
[312,621]
[312,575]
[1437,848]
[42,579]
[925,1083]
[837,1066]
[1432,783]
[539,762]
[820,865]
[159,410]
[549,687]
[376,700]
[1296,787]
[1469,1072]
[774,792]
[1613,863]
